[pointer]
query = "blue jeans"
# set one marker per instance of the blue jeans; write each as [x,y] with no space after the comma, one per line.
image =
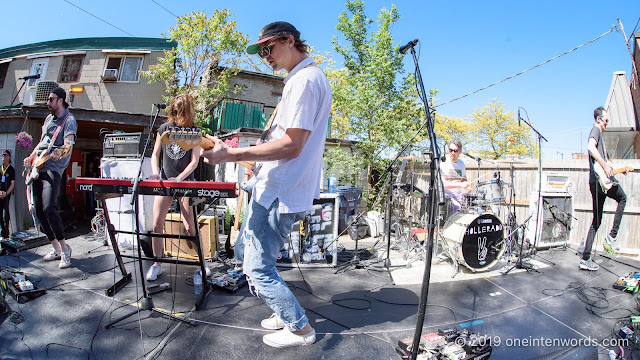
[263,237]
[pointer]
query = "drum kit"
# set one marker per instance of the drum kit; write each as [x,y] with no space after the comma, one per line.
[477,236]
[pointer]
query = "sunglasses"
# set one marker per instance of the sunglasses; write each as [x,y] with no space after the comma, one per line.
[454,150]
[52,98]
[174,112]
[265,51]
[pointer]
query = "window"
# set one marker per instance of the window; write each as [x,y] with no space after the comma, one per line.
[128,67]
[4,67]
[71,66]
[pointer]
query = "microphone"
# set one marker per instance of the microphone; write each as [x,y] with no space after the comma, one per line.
[518,116]
[403,49]
[160,105]
[29,77]
[471,156]
[444,154]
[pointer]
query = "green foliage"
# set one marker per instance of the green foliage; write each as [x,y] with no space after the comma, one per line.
[207,56]
[372,103]
[496,133]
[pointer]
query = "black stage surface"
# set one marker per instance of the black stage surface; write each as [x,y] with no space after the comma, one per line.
[358,314]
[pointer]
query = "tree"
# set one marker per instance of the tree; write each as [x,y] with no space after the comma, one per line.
[497,133]
[207,55]
[372,105]
[449,128]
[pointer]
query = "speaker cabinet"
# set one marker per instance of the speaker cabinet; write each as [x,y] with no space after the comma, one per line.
[208,226]
[554,220]
[120,208]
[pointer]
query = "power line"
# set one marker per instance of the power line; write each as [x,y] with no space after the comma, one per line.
[167,10]
[529,69]
[104,21]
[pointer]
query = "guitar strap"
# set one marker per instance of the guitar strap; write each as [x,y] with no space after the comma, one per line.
[269,126]
[55,134]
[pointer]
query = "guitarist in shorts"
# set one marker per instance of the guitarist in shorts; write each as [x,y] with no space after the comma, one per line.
[598,156]
[59,130]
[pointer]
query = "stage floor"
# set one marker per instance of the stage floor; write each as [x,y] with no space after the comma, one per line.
[357,314]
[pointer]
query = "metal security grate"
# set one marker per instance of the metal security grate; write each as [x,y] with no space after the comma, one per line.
[43,91]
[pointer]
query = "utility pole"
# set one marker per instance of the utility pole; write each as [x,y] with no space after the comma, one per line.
[634,76]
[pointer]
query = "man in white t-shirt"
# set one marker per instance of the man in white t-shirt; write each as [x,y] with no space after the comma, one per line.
[288,177]
[454,176]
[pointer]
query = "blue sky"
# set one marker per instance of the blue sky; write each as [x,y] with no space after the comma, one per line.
[465,45]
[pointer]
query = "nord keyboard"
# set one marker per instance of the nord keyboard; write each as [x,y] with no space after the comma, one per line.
[203,189]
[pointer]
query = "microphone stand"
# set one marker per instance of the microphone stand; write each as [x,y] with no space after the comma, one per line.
[519,264]
[146,303]
[436,188]
[24,81]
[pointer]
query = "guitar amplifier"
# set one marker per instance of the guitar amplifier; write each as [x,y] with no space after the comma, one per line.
[126,145]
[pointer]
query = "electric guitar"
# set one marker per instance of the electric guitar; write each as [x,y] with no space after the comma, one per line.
[187,139]
[30,172]
[607,182]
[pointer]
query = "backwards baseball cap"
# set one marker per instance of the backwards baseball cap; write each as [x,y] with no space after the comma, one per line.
[270,31]
[59,92]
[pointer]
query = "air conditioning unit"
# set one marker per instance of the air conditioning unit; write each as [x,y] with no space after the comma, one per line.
[110,75]
[43,90]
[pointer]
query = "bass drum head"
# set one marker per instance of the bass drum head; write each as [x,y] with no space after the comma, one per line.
[478,238]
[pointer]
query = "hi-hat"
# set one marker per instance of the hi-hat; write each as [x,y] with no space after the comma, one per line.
[513,161]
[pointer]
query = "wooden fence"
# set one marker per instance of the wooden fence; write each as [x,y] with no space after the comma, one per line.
[526,182]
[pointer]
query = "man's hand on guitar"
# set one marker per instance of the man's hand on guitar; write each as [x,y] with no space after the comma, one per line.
[608,170]
[219,153]
[27,161]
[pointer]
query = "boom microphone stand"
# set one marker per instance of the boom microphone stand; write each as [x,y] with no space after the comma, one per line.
[435,189]
[146,303]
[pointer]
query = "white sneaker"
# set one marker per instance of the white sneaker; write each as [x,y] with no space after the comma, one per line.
[273,322]
[153,272]
[285,338]
[51,256]
[65,259]
[613,243]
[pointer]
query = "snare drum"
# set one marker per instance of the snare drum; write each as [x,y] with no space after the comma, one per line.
[490,192]
[474,240]
[469,201]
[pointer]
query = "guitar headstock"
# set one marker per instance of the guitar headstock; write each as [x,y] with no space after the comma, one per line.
[186,138]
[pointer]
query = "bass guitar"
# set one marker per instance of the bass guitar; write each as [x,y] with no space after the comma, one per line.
[606,182]
[30,172]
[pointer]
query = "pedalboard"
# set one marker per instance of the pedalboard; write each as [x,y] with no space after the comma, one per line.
[448,344]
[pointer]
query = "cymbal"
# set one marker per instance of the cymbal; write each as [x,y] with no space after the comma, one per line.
[411,158]
[511,161]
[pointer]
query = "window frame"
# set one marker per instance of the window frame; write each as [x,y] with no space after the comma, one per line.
[3,77]
[77,56]
[123,58]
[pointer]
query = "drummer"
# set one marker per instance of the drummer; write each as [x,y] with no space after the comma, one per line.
[454,176]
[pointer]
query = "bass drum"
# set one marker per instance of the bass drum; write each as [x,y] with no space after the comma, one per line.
[475,241]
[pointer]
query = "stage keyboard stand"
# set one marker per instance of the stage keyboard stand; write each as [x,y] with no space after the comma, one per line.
[109,188]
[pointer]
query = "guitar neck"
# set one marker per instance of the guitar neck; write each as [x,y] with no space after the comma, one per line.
[618,171]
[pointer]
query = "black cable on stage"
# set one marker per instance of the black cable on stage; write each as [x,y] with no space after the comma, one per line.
[17,318]
[67,346]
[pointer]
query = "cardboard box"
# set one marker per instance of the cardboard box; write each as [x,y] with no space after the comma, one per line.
[208,226]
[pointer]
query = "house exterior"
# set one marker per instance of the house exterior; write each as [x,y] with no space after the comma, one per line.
[105,91]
